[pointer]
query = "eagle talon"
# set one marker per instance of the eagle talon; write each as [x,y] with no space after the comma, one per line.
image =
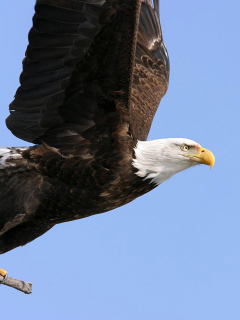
[4,274]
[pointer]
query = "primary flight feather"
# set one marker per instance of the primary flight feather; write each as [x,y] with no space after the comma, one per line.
[93,76]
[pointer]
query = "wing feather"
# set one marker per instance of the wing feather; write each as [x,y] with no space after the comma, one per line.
[151,71]
[82,57]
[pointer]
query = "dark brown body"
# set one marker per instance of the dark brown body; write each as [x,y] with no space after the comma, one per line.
[92,80]
[55,189]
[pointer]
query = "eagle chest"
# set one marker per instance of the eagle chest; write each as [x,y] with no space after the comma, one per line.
[93,188]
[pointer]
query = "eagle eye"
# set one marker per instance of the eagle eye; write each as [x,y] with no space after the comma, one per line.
[185,148]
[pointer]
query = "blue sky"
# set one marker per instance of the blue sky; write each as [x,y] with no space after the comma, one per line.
[172,254]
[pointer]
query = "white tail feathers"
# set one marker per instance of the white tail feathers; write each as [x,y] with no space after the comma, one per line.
[9,154]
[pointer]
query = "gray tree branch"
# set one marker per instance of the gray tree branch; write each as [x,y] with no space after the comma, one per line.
[23,286]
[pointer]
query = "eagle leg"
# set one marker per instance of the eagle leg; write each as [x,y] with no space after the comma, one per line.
[4,274]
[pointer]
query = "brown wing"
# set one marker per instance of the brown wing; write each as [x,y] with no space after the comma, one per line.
[151,71]
[83,65]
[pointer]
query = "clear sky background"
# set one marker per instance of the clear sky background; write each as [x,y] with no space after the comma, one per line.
[173,254]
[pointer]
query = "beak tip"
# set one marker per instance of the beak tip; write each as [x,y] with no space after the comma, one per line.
[209,158]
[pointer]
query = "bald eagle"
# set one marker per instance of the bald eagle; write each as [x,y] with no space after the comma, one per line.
[93,76]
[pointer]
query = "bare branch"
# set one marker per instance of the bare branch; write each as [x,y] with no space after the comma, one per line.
[23,286]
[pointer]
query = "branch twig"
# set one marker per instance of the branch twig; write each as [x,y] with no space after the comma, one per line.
[23,286]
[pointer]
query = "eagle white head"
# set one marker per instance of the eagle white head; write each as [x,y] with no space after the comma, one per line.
[159,160]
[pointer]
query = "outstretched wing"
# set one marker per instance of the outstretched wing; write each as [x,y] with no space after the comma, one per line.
[151,71]
[87,61]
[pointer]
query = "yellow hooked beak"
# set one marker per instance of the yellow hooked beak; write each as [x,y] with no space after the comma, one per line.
[203,156]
